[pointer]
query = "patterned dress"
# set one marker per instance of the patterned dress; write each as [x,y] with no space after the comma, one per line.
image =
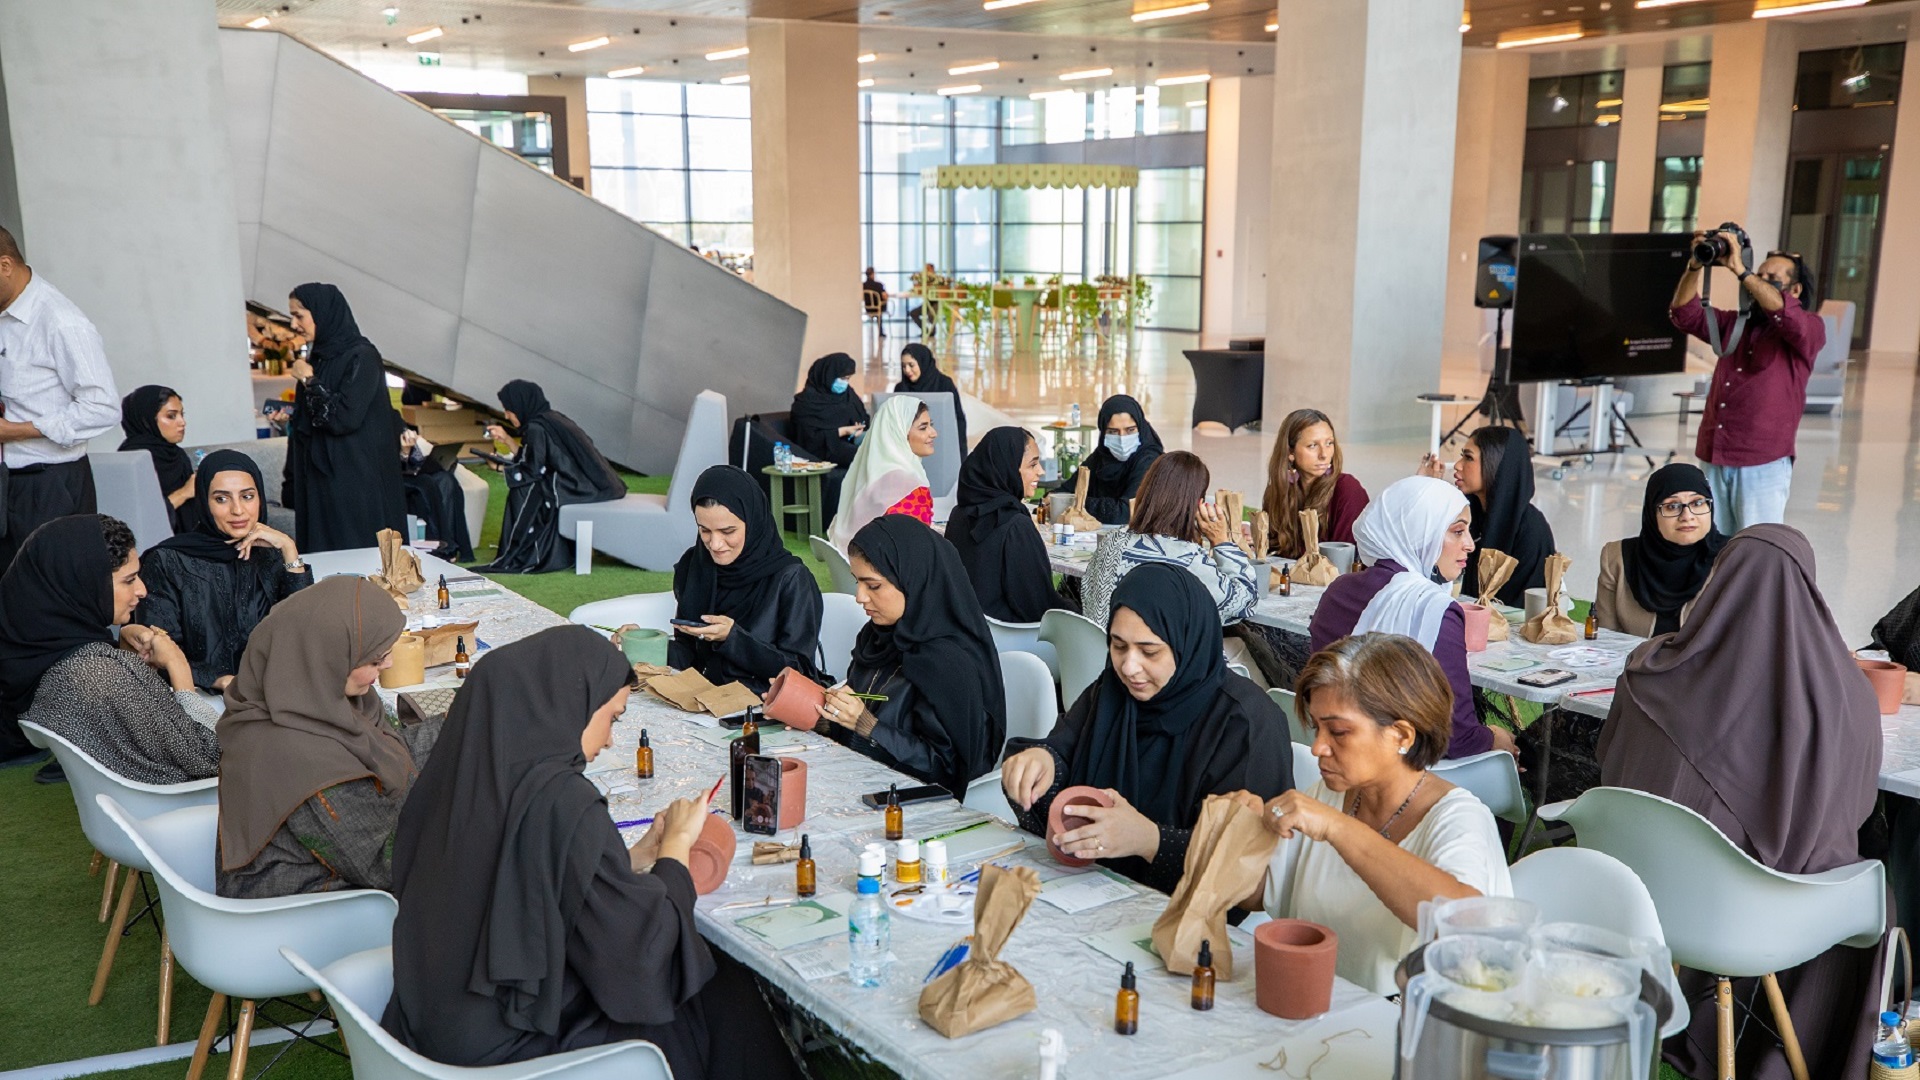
[121,713]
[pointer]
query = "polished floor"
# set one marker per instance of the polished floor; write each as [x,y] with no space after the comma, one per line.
[1855,480]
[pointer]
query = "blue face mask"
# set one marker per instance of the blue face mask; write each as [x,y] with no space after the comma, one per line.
[840,386]
[1122,446]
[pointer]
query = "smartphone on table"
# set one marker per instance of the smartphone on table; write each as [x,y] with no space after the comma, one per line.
[908,795]
[761,778]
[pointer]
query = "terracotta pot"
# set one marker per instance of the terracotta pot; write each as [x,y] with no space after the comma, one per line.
[409,663]
[1889,680]
[794,700]
[712,854]
[1079,795]
[1478,619]
[1293,968]
[793,792]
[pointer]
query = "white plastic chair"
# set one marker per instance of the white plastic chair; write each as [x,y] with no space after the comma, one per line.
[1723,912]
[1493,778]
[650,611]
[89,778]
[1581,885]
[358,986]
[127,488]
[651,531]
[1306,767]
[1023,637]
[233,946]
[1081,645]
[987,796]
[838,568]
[841,618]
[1289,704]
[1031,710]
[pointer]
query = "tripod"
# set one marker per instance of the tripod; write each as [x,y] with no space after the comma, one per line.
[1501,402]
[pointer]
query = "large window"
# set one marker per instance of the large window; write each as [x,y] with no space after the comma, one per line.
[1567,177]
[1678,145]
[1860,77]
[1563,101]
[1676,194]
[677,156]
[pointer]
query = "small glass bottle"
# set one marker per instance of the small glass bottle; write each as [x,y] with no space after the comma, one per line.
[803,870]
[933,859]
[643,758]
[1593,624]
[1126,1005]
[1286,583]
[1203,978]
[460,663]
[446,598]
[745,745]
[896,821]
[906,862]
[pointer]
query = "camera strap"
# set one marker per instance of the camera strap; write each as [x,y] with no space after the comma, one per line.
[1713,321]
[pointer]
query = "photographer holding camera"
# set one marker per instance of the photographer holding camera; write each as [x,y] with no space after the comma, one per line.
[1759,385]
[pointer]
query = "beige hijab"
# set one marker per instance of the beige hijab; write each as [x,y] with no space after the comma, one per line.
[290,730]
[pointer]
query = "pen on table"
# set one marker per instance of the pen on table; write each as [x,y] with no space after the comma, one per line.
[1590,693]
[844,688]
[768,902]
[961,829]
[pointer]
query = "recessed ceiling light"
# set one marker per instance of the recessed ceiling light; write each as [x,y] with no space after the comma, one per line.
[428,34]
[735,80]
[1183,9]
[1767,9]
[996,5]
[259,23]
[1661,3]
[864,83]
[866,58]
[1543,35]
[727,54]
[1273,23]
[950,91]
[626,72]
[583,46]
[969,69]
[1040,95]
[1181,80]
[1090,73]
[1201,104]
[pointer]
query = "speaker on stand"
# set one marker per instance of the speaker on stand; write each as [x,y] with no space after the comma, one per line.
[1493,288]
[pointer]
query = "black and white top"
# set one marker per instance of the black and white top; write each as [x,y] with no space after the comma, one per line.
[118,710]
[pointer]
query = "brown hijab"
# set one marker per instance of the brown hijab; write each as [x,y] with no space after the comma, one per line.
[1761,697]
[290,730]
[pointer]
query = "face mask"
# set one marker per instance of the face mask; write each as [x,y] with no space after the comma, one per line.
[840,386]
[1122,446]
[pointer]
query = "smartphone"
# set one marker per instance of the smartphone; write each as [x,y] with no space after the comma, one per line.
[925,793]
[1545,677]
[761,779]
[695,623]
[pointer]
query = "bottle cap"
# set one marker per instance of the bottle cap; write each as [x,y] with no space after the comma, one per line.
[643,738]
[806,847]
[909,850]
[893,794]
[1890,1018]
[1206,954]
[443,581]
[877,850]
[868,885]
[935,853]
[871,865]
[459,644]
[1126,977]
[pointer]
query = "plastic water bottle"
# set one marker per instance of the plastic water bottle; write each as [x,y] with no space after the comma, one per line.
[782,456]
[1890,1048]
[198,457]
[869,938]
[1073,414]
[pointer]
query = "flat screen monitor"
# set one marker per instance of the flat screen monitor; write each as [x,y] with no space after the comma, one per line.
[1595,306]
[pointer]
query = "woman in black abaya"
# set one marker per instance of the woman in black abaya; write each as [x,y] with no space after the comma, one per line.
[340,450]
[1128,448]
[1160,738]
[828,417]
[920,374]
[556,465]
[156,421]
[1495,472]
[526,927]
[994,534]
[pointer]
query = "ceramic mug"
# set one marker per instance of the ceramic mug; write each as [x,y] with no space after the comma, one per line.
[1293,962]
[1889,682]
[643,646]
[1536,603]
[1478,619]
[1340,554]
[1057,504]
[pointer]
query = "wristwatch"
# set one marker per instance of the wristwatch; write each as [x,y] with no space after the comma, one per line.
[1743,276]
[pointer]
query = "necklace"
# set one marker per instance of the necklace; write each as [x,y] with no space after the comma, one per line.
[1387,829]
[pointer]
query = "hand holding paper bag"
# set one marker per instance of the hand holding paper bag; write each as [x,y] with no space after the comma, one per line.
[1226,858]
[985,990]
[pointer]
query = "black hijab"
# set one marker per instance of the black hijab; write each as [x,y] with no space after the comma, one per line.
[529,406]
[994,535]
[933,381]
[206,541]
[500,836]
[1138,748]
[1503,517]
[334,330]
[1663,575]
[56,597]
[700,587]
[941,644]
[1109,472]
[140,419]
[816,405]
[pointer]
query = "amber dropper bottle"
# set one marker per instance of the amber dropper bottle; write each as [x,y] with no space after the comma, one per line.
[1203,978]
[643,758]
[1126,1004]
[803,870]
[896,821]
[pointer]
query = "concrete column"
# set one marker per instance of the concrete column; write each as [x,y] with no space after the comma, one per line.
[1490,141]
[1634,163]
[115,176]
[1896,318]
[1744,168]
[806,175]
[579,154]
[1365,99]
[1239,195]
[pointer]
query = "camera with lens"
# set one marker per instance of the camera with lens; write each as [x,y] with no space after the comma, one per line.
[1713,249]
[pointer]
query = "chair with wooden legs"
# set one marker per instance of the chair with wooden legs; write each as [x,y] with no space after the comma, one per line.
[89,778]
[232,947]
[1723,912]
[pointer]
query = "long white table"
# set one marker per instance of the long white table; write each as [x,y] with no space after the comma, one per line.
[1073,982]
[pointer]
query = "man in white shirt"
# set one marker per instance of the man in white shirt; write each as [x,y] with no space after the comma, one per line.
[56,392]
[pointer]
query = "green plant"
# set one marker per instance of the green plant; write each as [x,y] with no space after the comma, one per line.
[1030,280]
[1083,300]
[1142,299]
[975,308]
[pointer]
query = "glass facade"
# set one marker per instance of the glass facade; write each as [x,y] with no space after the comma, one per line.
[676,156]
[1676,176]
[1563,101]
[1566,186]
[1860,77]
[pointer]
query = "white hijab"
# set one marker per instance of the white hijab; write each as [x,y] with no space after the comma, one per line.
[884,470]
[1407,525]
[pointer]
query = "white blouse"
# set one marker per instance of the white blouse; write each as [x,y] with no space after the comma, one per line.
[1309,880]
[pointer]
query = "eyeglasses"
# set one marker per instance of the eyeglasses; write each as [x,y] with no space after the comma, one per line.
[1698,508]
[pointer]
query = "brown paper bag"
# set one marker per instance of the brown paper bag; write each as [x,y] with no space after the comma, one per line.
[1232,506]
[1496,569]
[729,699]
[646,673]
[399,567]
[1076,512]
[1313,567]
[1226,858]
[1262,535]
[984,990]
[1552,627]
[443,641]
[682,691]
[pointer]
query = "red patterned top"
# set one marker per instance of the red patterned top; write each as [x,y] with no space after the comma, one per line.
[917,504]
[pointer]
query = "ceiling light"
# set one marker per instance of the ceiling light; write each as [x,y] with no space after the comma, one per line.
[1607,118]
[734,80]
[1767,9]
[1090,73]
[1465,25]
[1610,103]
[866,58]
[1543,35]
[259,23]
[1181,80]
[969,69]
[1661,3]
[583,46]
[626,72]
[1184,9]
[1696,105]
[1273,23]
[428,34]
[1466,18]
[996,5]
[1201,104]
[864,83]
[727,54]
[391,13]
[950,91]
[1041,95]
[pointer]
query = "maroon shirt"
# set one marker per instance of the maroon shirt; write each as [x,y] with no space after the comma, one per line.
[1349,498]
[1339,612]
[1759,390]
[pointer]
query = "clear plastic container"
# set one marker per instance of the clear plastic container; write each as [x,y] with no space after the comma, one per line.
[1493,916]
[869,937]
